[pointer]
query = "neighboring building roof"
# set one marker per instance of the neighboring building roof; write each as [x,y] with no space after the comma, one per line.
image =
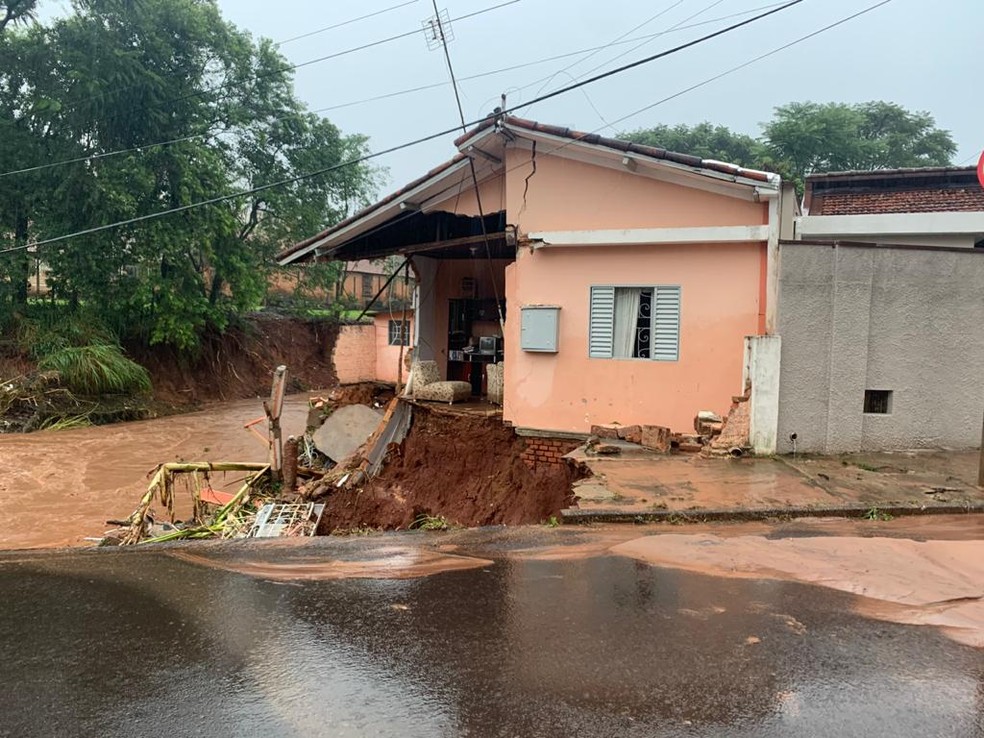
[915,190]
[512,126]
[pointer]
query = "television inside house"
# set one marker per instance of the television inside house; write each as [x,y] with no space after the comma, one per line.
[489,344]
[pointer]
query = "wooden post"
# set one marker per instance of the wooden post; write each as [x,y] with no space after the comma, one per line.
[404,337]
[273,410]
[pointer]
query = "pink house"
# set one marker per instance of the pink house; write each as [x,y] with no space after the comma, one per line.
[625,283]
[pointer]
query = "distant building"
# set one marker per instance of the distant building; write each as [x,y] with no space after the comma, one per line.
[365,277]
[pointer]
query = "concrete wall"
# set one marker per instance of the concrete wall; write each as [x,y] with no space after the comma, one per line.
[355,354]
[906,320]
[761,373]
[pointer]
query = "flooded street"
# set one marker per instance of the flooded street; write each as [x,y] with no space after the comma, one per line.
[56,488]
[493,632]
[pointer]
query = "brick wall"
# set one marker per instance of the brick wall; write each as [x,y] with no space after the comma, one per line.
[547,450]
[736,427]
[354,356]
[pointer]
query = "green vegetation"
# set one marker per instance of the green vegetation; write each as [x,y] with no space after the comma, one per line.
[97,369]
[430,522]
[806,137]
[876,514]
[122,76]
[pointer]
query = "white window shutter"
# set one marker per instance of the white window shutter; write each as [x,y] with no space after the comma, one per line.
[666,323]
[601,328]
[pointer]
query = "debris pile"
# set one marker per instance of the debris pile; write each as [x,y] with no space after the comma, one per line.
[39,401]
[713,435]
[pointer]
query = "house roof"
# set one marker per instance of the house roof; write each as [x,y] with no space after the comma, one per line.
[885,191]
[437,179]
[627,147]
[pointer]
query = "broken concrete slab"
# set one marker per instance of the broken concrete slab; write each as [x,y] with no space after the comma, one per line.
[345,430]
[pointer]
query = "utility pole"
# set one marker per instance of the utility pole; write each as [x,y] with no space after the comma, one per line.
[980,469]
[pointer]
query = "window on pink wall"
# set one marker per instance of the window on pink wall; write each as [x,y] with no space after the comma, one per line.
[397,335]
[635,322]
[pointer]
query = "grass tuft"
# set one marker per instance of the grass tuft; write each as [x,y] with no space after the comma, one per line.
[99,369]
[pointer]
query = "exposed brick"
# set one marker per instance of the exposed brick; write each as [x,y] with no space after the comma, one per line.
[655,437]
[630,433]
[605,431]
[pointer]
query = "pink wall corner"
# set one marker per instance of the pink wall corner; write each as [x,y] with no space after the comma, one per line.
[566,195]
[568,391]
[387,358]
[354,355]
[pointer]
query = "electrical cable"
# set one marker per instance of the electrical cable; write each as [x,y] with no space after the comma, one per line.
[346,23]
[279,70]
[409,144]
[385,96]
[471,165]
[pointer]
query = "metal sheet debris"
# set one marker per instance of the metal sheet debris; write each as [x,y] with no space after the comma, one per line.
[284,520]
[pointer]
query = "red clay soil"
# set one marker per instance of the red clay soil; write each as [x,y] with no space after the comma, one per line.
[239,363]
[466,469]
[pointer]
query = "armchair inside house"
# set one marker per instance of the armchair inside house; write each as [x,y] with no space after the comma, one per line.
[494,380]
[426,384]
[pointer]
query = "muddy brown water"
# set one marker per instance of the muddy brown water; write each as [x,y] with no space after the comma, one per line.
[58,487]
[146,642]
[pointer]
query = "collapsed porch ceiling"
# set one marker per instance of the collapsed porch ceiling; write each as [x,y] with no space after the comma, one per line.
[437,234]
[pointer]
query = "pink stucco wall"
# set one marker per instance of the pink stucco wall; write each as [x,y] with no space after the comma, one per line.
[354,355]
[722,294]
[566,195]
[387,358]
[568,391]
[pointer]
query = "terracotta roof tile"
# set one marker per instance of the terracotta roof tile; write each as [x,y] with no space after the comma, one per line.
[905,201]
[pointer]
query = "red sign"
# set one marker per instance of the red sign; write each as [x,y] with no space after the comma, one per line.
[980,169]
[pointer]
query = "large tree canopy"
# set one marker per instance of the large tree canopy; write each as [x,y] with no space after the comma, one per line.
[807,137]
[120,74]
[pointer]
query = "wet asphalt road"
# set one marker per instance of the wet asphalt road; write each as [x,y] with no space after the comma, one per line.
[138,643]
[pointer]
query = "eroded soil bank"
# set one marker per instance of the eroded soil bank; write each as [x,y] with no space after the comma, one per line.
[237,364]
[460,469]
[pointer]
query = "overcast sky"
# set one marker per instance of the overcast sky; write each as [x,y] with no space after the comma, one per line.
[923,55]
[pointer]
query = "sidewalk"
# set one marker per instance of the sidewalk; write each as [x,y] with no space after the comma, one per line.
[680,488]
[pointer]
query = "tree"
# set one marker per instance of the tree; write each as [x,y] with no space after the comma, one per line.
[704,140]
[118,75]
[821,137]
[806,137]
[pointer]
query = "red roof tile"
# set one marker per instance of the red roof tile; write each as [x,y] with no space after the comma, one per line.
[922,190]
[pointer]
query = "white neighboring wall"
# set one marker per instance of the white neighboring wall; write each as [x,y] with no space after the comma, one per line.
[761,372]
[953,229]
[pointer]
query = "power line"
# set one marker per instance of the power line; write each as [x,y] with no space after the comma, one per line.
[599,49]
[388,95]
[346,23]
[759,58]
[278,70]
[415,142]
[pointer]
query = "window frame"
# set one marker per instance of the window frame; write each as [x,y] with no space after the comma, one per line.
[398,334]
[655,287]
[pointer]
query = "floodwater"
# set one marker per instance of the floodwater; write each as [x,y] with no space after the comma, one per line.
[462,634]
[59,487]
